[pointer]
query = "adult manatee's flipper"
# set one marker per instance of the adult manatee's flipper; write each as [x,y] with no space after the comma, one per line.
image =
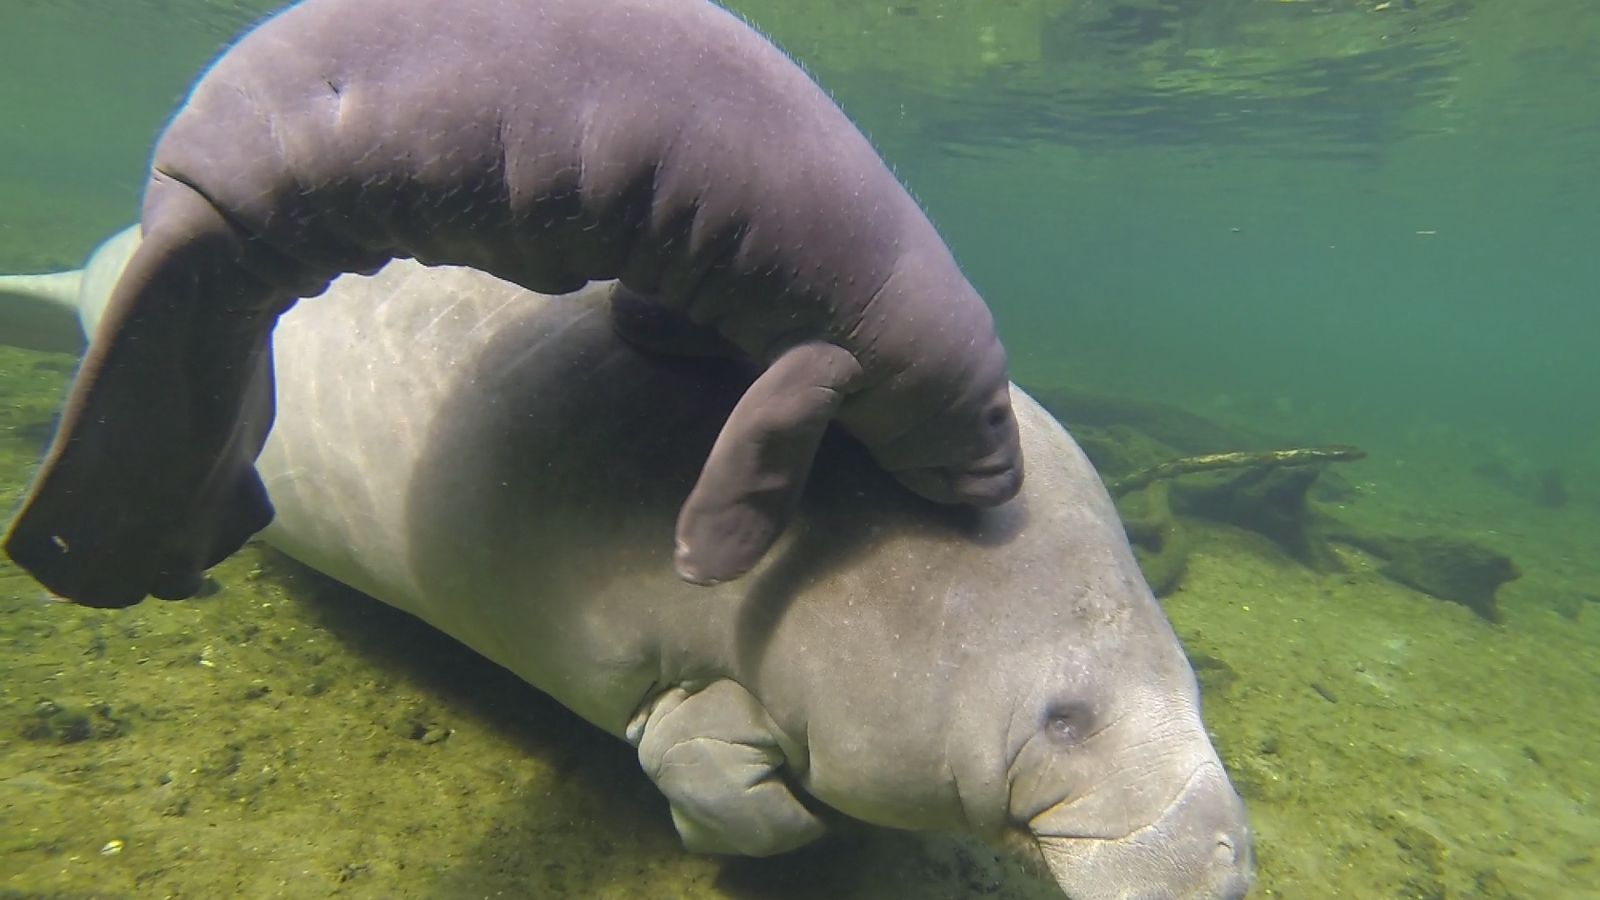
[751,482]
[717,757]
[150,479]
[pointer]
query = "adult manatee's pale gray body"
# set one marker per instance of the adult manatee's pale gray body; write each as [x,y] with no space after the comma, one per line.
[55,312]
[498,463]
[551,143]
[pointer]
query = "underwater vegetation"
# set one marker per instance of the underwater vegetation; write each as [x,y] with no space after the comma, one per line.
[1270,492]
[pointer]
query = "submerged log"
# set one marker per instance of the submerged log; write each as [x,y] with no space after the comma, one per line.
[1210,462]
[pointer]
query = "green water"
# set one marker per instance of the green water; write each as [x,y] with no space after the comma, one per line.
[1319,222]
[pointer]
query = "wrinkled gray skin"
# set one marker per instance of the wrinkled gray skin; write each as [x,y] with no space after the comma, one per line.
[501,465]
[551,143]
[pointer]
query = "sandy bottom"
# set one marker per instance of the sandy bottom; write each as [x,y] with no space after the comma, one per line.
[289,738]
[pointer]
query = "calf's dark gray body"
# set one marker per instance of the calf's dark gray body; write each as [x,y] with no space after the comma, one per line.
[551,143]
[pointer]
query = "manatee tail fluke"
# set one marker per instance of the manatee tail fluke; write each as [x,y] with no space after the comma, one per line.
[40,312]
[176,387]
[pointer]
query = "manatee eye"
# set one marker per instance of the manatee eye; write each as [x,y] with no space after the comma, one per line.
[995,417]
[1068,723]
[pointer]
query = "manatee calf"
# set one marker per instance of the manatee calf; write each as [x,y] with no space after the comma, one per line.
[498,463]
[551,143]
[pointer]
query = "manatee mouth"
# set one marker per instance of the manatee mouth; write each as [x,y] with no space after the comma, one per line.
[987,486]
[989,481]
[1199,848]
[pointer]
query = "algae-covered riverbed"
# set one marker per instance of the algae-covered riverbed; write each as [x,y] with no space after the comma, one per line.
[286,737]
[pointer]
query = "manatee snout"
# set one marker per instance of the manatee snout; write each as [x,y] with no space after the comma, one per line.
[988,481]
[985,472]
[1200,848]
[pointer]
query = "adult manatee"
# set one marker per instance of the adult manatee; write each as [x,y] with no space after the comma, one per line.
[501,465]
[551,143]
[54,312]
